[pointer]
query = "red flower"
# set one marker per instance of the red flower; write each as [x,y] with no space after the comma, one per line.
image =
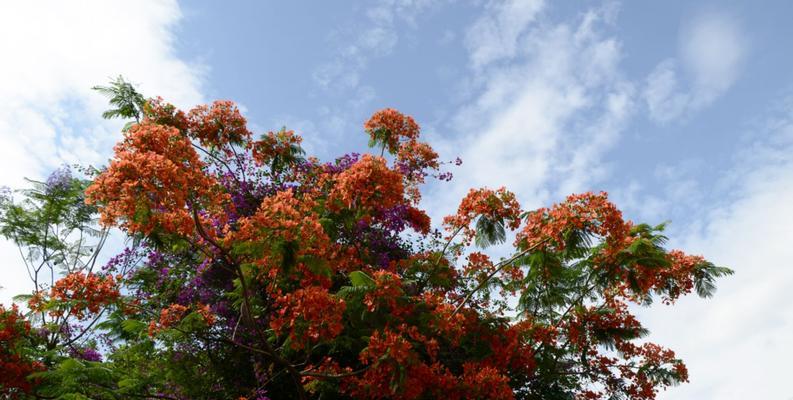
[15,366]
[588,212]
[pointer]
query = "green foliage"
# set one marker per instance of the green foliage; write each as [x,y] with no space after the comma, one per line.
[489,231]
[52,225]
[360,279]
[127,102]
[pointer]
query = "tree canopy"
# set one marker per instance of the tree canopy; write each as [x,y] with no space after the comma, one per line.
[253,271]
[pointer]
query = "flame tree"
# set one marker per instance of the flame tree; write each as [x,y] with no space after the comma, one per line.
[254,271]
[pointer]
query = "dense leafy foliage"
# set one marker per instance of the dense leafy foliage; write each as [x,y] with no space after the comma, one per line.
[254,272]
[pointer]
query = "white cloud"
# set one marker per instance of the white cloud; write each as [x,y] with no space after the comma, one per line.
[377,36]
[663,94]
[738,345]
[53,53]
[712,50]
[495,35]
[545,112]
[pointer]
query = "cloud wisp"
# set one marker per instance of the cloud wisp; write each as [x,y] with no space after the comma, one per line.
[712,50]
[377,36]
[549,100]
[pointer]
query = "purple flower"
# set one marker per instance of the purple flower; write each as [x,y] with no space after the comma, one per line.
[445,176]
[87,354]
[5,194]
[155,257]
[342,163]
[59,180]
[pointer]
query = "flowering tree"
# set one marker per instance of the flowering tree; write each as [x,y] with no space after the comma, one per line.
[255,272]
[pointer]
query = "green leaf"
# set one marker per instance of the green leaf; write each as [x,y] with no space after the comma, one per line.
[133,326]
[22,298]
[127,101]
[70,364]
[489,232]
[317,265]
[128,382]
[359,278]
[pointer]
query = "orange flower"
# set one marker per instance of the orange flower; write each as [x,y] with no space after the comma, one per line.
[84,294]
[588,212]
[157,111]
[218,125]
[486,382]
[388,288]
[495,205]
[282,218]
[368,184]
[389,126]
[282,144]
[416,156]
[149,184]
[413,160]
[309,315]
[206,313]
[168,317]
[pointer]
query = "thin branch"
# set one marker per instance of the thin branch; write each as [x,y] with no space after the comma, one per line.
[446,246]
[247,304]
[490,276]
[335,376]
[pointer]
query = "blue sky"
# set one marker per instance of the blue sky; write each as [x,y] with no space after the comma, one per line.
[681,110]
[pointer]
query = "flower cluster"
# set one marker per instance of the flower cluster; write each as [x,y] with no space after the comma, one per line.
[157,111]
[14,364]
[169,317]
[155,175]
[281,220]
[479,266]
[499,205]
[485,382]
[368,184]
[82,295]
[389,127]
[87,354]
[589,213]
[672,280]
[59,180]
[414,160]
[309,315]
[217,125]
[272,146]
[388,288]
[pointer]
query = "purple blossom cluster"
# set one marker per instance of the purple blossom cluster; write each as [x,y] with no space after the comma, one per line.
[123,262]
[382,234]
[342,163]
[5,194]
[86,353]
[59,180]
